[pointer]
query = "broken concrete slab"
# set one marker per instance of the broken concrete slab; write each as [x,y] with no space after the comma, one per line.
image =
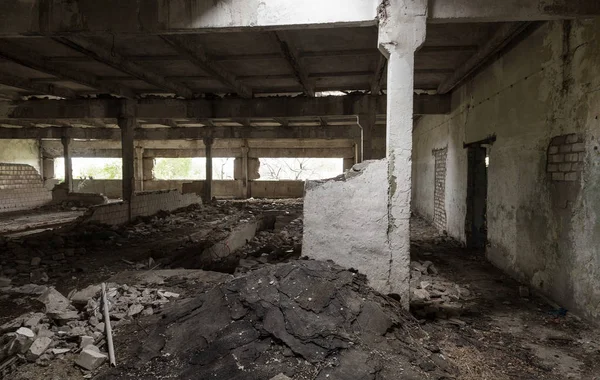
[55,302]
[347,221]
[81,297]
[37,348]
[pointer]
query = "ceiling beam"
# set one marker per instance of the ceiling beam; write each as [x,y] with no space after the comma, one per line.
[288,52]
[25,57]
[119,62]
[36,88]
[60,17]
[377,81]
[195,54]
[239,132]
[505,34]
[444,11]
[267,107]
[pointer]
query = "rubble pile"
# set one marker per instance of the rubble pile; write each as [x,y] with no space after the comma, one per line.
[298,320]
[433,297]
[272,246]
[75,325]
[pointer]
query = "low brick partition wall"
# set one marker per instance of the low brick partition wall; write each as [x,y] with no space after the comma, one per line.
[21,188]
[142,204]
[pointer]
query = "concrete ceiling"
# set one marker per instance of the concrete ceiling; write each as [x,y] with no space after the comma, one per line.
[245,63]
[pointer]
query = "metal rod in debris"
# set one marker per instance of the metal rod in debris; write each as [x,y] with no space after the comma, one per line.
[109,340]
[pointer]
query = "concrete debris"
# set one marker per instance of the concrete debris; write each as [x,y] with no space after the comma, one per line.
[39,346]
[279,322]
[41,336]
[5,282]
[55,302]
[91,358]
[433,297]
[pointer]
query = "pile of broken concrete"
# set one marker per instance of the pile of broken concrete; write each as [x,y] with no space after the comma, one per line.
[432,297]
[297,320]
[75,325]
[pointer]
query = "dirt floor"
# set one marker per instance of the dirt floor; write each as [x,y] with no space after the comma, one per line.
[500,334]
[470,321]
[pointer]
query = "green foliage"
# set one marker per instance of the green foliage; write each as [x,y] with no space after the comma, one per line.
[111,168]
[175,168]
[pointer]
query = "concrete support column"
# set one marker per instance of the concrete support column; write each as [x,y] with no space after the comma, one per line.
[367,124]
[48,168]
[245,171]
[66,142]
[348,163]
[358,150]
[401,33]
[139,168]
[127,123]
[208,143]
[148,168]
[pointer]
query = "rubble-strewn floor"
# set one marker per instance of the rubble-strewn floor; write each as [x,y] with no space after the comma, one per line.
[499,334]
[19,222]
[259,312]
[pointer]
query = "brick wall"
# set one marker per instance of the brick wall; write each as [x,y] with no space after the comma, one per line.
[143,204]
[21,188]
[566,154]
[439,194]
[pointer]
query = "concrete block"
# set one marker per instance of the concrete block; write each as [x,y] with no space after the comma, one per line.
[85,341]
[572,138]
[552,168]
[39,346]
[558,176]
[557,158]
[564,167]
[573,176]
[90,359]
[565,148]
[572,157]
[579,147]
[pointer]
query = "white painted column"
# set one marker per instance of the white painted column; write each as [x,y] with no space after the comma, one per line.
[401,32]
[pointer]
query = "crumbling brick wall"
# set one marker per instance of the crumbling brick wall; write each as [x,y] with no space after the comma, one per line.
[439,195]
[143,204]
[21,188]
[566,154]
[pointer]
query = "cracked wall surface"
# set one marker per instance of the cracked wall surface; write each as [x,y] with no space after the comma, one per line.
[347,221]
[543,232]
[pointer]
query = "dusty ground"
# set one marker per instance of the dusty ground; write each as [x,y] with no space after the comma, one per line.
[502,335]
[497,334]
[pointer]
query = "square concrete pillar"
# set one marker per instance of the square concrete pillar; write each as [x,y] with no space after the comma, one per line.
[362,220]
[148,168]
[127,123]
[48,168]
[66,142]
[139,168]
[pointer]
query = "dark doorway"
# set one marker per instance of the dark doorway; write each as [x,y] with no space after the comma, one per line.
[477,181]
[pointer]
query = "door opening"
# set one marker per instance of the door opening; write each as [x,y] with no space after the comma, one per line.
[477,182]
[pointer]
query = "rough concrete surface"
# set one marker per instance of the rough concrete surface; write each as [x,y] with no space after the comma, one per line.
[540,231]
[347,221]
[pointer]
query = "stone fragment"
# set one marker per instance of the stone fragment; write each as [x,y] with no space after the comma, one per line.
[90,359]
[36,261]
[281,376]
[67,316]
[135,309]
[85,341]
[55,302]
[34,320]
[420,295]
[60,351]
[5,282]
[37,348]
[148,311]
[38,276]
[23,339]
[100,327]
[82,297]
